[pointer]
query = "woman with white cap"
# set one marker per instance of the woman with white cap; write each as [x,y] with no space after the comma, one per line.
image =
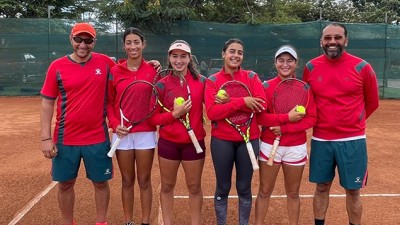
[174,145]
[292,152]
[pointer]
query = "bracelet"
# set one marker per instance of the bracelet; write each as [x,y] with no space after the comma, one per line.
[46,139]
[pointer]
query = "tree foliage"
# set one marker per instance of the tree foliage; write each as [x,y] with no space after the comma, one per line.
[157,16]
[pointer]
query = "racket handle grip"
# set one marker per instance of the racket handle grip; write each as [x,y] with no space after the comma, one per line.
[274,148]
[113,148]
[253,158]
[195,141]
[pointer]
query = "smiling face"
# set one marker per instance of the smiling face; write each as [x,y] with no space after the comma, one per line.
[333,41]
[179,60]
[233,57]
[82,50]
[285,64]
[134,46]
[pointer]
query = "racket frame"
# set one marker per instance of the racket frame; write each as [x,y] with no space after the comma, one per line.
[246,137]
[185,122]
[133,123]
[277,140]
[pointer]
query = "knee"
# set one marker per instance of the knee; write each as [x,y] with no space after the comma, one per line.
[265,192]
[243,190]
[100,185]
[144,183]
[354,193]
[323,187]
[167,187]
[194,189]
[128,183]
[222,190]
[66,186]
[292,194]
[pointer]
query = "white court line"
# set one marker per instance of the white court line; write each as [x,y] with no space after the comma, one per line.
[30,204]
[304,196]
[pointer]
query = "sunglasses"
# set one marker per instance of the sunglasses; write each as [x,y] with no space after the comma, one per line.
[336,38]
[87,41]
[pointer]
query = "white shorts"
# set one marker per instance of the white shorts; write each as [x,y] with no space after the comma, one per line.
[137,141]
[290,155]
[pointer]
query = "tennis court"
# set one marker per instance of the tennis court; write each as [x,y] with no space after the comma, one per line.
[28,196]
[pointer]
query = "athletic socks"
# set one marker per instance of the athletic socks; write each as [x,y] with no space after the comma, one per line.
[319,222]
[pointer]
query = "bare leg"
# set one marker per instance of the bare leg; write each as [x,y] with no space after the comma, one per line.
[168,171]
[66,201]
[321,200]
[102,197]
[126,163]
[144,162]
[267,183]
[292,176]
[193,171]
[354,206]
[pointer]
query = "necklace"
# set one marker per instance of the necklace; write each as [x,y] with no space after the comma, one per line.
[134,68]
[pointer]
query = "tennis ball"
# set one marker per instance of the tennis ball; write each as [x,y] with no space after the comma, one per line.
[179,100]
[301,109]
[221,93]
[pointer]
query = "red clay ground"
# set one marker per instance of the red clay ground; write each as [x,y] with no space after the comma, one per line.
[24,174]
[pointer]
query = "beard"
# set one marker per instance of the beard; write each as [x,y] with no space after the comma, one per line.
[333,54]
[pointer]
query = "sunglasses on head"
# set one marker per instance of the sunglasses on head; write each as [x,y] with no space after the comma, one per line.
[87,41]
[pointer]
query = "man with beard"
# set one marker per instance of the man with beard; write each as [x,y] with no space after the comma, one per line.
[77,84]
[346,93]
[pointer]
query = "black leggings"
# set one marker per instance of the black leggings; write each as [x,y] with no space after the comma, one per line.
[225,154]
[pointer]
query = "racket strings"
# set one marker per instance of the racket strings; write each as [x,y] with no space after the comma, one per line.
[237,90]
[137,101]
[288,94]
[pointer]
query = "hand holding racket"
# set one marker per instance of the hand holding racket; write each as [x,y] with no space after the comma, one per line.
[288,94]
[241,119]
[134,106]
[180,89]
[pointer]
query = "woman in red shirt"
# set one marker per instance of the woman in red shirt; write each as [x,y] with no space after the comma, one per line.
[292,151]
[227,146]
[136,149]
[174,145]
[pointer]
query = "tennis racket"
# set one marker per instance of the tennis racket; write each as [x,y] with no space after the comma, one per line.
[137,103]
[179,88]
[289,93]
[240,119]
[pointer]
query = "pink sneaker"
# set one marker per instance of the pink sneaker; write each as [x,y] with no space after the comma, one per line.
[103,223]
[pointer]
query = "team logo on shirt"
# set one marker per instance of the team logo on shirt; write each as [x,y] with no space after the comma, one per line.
[98,72]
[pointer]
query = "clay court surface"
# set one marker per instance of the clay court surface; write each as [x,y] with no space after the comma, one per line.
[28,196]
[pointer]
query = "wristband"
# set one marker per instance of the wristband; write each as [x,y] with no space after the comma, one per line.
[46,139]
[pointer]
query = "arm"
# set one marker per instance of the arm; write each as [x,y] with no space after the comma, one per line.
[216,111]
[371,93]
[307,122]
[46,116]
[113,119]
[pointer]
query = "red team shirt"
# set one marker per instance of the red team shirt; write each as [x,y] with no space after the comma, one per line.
[346,93]
[80,90]
[218,112]
[119,79]
[172,129]
[292,133]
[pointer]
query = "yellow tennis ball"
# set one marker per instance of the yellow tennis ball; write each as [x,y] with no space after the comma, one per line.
[221,93]
[301,109]
[179,100]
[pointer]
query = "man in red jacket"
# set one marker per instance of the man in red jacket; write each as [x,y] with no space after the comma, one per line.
[346,93]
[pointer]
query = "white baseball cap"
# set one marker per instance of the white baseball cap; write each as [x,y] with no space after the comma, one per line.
[286,49]
[181,46]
